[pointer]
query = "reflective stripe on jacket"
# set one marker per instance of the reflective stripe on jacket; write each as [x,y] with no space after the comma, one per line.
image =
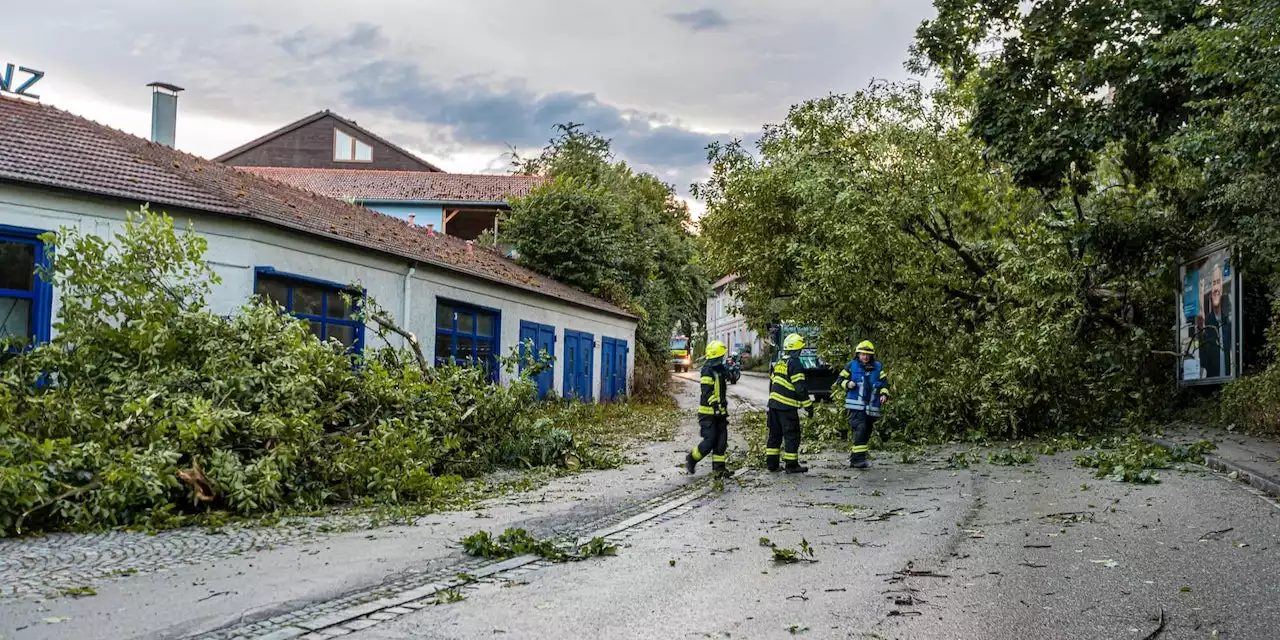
[787,387]
[713,401]
[872,386]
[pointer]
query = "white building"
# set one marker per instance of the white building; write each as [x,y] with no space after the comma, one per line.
[299,248]
[726,326]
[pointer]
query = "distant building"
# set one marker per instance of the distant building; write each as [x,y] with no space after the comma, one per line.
[724,325]
[332,156]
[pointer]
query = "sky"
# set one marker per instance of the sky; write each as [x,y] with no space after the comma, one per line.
[464,83]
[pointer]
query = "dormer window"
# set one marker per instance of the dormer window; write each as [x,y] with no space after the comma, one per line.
[346,148]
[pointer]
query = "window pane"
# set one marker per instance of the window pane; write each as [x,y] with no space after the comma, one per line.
[444,317]
[484,349]
[341,145]
[466,322]
[364,152]
[484,325]
[464,350]
[15,318]
[337,305]
[444,348]
[343,333]
[274,290]
[317,329]
[308,300]
[17,265]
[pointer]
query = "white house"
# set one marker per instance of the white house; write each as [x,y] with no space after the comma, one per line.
[463,303]
[726,326]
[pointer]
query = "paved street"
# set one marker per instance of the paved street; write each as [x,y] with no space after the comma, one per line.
[906,550]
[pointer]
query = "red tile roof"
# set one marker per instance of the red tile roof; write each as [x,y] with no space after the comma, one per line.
[724,281]
[45,146]
[366,184]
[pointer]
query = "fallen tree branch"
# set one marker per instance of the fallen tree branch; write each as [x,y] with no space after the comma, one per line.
[387,324]
[94,484]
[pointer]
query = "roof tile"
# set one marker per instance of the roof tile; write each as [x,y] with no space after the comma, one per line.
[375,184]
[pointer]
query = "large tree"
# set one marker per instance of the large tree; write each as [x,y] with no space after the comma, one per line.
[610,230]
[877,216]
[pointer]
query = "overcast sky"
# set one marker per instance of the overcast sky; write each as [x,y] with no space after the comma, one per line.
[460,82]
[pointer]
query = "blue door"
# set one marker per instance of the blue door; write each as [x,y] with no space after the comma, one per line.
[579,354]
[613,368]
[543,339]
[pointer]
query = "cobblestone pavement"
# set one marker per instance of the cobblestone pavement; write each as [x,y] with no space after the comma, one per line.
[43,566]
[424,586]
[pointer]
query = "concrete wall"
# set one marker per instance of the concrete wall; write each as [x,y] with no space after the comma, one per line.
[237,246]
[727,327]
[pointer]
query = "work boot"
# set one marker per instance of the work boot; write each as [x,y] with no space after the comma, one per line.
[771,462]
[690,465]
[859,461]
[718,470]
[796,467]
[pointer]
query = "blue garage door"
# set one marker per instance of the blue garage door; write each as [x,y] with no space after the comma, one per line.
[613,368]
[543,339]
[579,356]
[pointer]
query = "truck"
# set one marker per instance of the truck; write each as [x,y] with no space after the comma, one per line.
[681,353]
[819,375]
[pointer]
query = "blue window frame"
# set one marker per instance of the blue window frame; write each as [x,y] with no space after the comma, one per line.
[26,300]
[318,302]
[467,335]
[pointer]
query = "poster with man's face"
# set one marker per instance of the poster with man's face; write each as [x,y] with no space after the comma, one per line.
[1208,332]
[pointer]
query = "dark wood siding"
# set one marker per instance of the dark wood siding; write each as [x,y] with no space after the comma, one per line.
[311,147]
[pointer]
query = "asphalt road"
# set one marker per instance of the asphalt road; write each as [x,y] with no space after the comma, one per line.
[905,550]
[911,551]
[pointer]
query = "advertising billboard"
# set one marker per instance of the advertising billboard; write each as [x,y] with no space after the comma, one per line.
[1209,331]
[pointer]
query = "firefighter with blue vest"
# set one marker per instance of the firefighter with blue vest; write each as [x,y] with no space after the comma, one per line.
[788,394]
[713,413]
[866,393]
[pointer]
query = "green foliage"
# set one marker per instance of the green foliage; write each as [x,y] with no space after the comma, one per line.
[518,542]
[147,406]
[1011,457]
[1000,311]
[792,556]
[601,226]
[1136,460]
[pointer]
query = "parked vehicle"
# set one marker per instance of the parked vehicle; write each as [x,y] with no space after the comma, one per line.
[681,355]
[819,375]
[733,368]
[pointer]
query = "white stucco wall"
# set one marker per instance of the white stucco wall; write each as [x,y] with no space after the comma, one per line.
[237,246]
[724,325]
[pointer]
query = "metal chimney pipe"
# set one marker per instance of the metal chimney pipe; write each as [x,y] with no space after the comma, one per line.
[164,113]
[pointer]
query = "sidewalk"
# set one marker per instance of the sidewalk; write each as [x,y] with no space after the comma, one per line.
[1254,460]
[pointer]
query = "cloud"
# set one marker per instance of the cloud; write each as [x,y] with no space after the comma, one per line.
[704,19]
[362,38]
[472,112]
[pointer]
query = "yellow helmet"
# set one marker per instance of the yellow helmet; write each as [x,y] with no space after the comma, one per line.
[866,347]
[716,349]
[793,342]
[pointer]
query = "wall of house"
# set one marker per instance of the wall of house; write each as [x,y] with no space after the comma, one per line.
[237,246]
[422,214]
[311,147]
[727,327]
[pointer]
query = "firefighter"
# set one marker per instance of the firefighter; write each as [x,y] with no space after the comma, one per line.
[788,393]
[713,414]
[866,393]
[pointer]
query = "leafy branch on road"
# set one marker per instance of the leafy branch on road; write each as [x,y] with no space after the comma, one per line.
[791,556]
[1136,460]
[515,542]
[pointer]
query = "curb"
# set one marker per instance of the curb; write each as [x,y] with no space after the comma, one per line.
[1261,481]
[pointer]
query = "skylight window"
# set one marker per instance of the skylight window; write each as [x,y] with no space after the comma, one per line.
[346,148]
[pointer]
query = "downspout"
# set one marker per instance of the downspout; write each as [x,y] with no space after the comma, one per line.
[408,290]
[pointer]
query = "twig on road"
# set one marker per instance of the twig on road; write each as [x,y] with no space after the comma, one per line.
[1159,629]
[1034,565]
[1215,535]
[1037,546]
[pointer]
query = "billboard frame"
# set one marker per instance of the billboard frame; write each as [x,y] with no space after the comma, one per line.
[1236,292]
